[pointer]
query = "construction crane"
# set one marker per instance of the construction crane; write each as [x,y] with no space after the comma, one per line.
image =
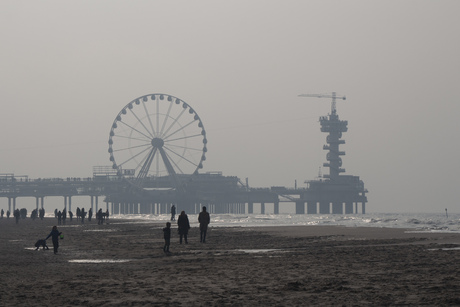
[333,96]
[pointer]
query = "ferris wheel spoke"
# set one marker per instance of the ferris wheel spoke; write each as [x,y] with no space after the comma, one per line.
[132,138]
[142,123]
[158,116]
[185,137]
[180,156]
[185,147]
[133,157]
[150,120]
[180,129]
[131,127]
[166,119]
[174,122]
[131,147]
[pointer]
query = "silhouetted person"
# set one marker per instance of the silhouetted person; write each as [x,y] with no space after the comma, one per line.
[90,214]
[167,236]
[78,213]
[59,215]
[41,213]
[55,213]
[203,219]
[70,215]
[100,217]
[17,215]
[8,214]
[54,234]
[173,213]
[3,212]
[184,226]
[82,215]
[107,214]
[64,216]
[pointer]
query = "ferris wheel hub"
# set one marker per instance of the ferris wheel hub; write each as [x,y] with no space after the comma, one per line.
[157,142]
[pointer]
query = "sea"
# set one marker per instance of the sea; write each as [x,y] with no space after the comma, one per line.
[420,222]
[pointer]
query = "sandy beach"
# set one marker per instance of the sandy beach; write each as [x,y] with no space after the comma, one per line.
[122,263]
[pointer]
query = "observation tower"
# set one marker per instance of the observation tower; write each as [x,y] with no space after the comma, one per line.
[334,192]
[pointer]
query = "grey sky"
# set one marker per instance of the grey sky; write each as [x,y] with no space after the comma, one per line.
[68,67]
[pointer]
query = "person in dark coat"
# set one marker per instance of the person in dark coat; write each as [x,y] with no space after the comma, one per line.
[167,236]
[184,226]
[203,219]
[64,216]
[17,215]
[82,215]
[54,234]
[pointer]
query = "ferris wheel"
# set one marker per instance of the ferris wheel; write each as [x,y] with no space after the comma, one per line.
[157,135]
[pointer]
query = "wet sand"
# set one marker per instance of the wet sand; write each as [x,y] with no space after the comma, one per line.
[122,263]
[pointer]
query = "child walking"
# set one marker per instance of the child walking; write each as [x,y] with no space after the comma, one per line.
[167,236]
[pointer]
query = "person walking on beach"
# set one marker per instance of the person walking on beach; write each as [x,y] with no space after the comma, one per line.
[99,217]
[59,216]
[54,234]
[64,216]
[203,219]
[82,215]
[184,226]
[173,213]
[17,215]
[3,212]
[167,236]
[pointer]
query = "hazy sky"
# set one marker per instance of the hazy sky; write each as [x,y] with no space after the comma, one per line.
[68,67]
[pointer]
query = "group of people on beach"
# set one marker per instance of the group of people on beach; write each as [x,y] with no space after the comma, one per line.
[183,226]
[81,215]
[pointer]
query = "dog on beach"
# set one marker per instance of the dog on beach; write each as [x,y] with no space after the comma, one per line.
[41,242]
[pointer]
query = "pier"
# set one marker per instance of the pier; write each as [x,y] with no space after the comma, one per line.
[157,147]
